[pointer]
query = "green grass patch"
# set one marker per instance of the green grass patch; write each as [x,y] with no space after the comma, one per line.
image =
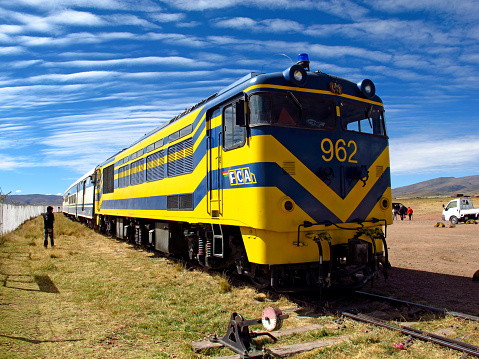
[95,297]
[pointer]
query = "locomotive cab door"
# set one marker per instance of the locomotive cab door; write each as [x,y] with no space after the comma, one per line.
[226,131]
[96,192]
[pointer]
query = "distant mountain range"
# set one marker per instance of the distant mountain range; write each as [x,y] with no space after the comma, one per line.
[442,186]
[45,199]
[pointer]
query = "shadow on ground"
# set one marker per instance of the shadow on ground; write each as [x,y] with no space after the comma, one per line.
[450,292]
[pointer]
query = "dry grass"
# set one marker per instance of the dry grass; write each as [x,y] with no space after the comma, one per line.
[431,205]
[95,297]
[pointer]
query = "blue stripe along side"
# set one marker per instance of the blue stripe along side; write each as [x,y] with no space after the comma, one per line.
[276,178]
[267,175]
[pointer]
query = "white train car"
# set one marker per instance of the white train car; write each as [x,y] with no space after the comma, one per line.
[78,200]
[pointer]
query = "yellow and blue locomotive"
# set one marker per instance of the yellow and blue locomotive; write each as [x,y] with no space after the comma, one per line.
[284,177]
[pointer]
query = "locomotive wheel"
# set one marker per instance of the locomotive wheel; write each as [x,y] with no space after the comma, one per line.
[261,283]
[271,318]
[261,278]
[453,220]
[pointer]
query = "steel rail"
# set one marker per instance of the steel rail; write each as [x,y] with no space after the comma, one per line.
[437,339]
[423,306]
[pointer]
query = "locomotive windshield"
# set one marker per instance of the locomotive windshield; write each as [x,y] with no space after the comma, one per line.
[288,109]
[362,118]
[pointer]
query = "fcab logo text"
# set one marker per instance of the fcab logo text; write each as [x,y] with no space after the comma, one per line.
[240,176]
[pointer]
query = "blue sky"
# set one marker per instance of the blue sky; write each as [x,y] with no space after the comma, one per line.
[82,79]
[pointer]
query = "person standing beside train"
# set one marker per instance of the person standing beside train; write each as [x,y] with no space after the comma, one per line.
[48,219]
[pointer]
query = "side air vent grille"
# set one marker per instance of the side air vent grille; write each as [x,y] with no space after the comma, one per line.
[289,168]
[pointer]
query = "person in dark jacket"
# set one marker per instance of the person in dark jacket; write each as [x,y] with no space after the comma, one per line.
[48,219]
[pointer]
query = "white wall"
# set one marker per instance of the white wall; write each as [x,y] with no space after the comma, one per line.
[12,216]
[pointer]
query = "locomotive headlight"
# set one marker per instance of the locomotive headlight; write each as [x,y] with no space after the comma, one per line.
[298,76]
[295,75]
[367,88]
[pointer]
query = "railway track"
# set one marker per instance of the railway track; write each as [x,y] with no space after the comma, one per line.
[422,306]
[460,346]
[354,312]
[418,334]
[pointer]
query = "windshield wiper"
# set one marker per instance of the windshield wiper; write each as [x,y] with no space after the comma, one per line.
[370,112]
[295,99]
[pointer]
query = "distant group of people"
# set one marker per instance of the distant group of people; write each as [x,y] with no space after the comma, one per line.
[402,211]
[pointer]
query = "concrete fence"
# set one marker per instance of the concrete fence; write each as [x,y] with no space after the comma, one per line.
[12,215]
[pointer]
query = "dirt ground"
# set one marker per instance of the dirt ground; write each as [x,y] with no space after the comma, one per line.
[433,265]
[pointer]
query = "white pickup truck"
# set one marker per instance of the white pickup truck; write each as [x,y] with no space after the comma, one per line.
[460,210]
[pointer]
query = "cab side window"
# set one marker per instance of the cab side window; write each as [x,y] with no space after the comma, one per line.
[234,134]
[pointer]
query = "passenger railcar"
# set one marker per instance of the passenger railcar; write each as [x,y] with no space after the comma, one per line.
[283,176]
[78,199]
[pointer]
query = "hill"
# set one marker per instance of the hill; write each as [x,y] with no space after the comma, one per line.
[442,186]
[45,199]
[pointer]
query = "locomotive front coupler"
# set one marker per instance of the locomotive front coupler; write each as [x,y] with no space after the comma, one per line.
[239,338]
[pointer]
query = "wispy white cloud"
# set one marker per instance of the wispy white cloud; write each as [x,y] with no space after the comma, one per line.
[465,10]
[11,50]
[127,19]
[73,17]
[189,24]
[24,63]
[440,154]
[137,5]
[10,163]
[142,61]
[341,8]
[58,22]
[167,17]
[75,77]
[268,25]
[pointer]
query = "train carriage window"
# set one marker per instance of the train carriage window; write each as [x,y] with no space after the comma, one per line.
[174,136]
[159,143]
[150,148]
[362,118]
[186,130]
[234,135]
